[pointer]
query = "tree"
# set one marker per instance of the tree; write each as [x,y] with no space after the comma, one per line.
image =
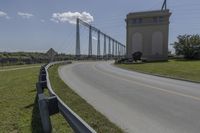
[188,46]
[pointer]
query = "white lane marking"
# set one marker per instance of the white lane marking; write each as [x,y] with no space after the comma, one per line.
[146,85]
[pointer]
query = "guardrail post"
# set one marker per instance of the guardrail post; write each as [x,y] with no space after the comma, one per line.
[42,70]
[39,88]
[53,105]
[43,84]
[44,113]
[42,77]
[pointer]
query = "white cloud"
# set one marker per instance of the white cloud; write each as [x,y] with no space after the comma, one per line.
[25,15]
[3,14]
[71,17]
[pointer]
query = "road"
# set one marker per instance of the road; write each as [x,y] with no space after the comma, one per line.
[136,102]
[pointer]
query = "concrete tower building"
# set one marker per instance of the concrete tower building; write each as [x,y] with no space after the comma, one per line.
[147,32]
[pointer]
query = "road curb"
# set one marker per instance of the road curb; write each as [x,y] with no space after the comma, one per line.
[158,75]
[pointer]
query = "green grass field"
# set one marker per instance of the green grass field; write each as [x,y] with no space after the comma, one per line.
[18,111]
[180,69]
[95,119]
[17,66]
[18,105]
[19,108]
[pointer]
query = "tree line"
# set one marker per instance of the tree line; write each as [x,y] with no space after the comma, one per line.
[20,58]
[188,46]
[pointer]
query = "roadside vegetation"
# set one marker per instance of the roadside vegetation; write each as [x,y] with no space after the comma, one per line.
[19,111]
[188,46]
[22,58]
[17,66]
[95,119]
[18,108]
[180,69]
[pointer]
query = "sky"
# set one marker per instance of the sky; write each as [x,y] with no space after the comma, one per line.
[37,25]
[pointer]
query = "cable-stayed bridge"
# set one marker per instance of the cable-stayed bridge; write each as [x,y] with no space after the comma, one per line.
[109,49]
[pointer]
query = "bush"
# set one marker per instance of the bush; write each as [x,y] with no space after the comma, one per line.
[188,46]
[18,58]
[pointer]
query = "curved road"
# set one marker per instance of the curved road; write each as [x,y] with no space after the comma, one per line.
[138,103]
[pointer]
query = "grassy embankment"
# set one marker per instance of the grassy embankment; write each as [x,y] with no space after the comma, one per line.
[17,66]
[18,105]
[95,119]
[180,69]
[19,109]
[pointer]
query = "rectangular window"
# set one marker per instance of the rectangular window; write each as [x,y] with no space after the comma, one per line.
[161,19]
[155,19]
[134,21]
[140,20]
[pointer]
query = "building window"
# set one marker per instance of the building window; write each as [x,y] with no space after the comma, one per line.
[161,19]
[134,21]
[155,19]
[140,20]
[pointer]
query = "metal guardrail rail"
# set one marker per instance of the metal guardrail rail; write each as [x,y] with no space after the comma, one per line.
[52,105]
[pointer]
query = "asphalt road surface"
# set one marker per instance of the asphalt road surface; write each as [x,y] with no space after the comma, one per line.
[136,102]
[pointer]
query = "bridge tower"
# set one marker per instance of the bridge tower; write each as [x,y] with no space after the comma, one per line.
[78,51]
[147,32]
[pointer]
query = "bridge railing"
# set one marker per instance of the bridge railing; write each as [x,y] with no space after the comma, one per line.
[110,45]
[51,105]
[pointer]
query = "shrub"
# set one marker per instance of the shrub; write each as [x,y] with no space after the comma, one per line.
[188,46]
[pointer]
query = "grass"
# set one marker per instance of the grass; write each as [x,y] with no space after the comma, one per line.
[180,69]
[95,119]
[18,111]
[18,105]
[16,66]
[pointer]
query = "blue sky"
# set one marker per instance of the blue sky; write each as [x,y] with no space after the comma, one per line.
[26,25]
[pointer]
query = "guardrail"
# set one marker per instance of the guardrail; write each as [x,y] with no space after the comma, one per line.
[53,104]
